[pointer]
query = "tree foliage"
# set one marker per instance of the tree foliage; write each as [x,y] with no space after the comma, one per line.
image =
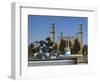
[85,50]
[62,46]
[76,46]
[30,49]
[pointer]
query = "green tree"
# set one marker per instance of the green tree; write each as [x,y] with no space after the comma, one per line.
[62,46]
[85,50]
[49,41]
[76,46]
[30,49]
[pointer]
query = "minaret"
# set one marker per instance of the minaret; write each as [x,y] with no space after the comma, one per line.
[79,36]
[52,32]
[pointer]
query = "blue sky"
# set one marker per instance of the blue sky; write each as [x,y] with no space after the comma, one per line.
[39,27]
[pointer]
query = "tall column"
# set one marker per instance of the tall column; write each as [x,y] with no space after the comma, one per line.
[52,32]
[80,33]
[80,36]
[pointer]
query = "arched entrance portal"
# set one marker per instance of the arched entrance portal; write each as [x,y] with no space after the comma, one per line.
[68,44]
